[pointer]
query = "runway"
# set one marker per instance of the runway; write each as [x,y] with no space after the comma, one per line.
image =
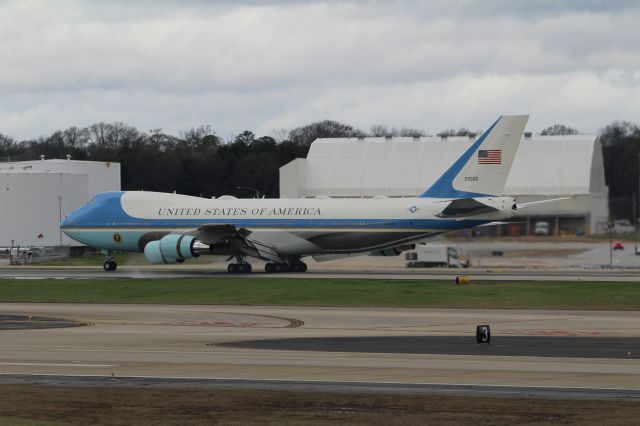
[155,343]
[496,274]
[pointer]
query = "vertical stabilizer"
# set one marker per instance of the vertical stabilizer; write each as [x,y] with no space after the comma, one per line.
[483,169]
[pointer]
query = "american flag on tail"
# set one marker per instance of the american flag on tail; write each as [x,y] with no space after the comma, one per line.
[489,156]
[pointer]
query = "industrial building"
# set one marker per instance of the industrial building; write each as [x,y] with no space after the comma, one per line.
[36,195]
[544,167]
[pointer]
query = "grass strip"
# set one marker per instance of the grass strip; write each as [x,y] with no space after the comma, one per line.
[330,292]
[53,405]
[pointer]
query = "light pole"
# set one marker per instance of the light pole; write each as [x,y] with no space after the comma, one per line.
[610,226]
[60,219]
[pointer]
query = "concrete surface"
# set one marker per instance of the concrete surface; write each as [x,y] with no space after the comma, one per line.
[184,342]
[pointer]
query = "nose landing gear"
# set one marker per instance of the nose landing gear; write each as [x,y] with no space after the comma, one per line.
[110,264]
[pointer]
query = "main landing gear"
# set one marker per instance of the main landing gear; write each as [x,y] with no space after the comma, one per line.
[242,267]
[239,268]
[110,264]
[285,267]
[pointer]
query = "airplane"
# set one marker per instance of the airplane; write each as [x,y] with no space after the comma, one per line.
[172,228]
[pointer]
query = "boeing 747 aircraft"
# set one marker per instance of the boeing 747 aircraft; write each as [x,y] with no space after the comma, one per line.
[171,228]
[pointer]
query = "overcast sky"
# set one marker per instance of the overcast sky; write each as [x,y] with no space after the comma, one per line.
[269,65]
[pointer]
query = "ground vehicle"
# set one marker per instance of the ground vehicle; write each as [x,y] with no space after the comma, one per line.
[541,228]
[20,252]
[618,245]
[433,256]
[623,226]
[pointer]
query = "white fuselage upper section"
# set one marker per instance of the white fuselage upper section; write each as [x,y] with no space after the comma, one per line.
[161,206]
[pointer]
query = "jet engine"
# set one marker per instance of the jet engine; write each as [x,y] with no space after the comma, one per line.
[173,248]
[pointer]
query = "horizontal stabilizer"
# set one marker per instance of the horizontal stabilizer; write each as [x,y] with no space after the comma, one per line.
[465,207]
[496,224]
[533,203]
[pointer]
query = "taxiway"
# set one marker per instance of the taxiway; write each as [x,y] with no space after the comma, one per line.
[208,343]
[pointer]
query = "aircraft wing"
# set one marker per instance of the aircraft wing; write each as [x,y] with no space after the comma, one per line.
[465,207]
[236,240]
[216,233]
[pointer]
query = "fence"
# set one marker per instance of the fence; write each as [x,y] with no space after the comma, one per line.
[33,255]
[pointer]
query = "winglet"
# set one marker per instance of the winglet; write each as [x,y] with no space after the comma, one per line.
[483,168]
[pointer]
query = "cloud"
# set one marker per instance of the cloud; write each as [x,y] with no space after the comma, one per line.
[265,65]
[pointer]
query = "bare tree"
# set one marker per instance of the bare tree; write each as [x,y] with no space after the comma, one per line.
[112,135]
[8,146]
[279,135]
[75,137]
[6,141]
[322,129]
[558,130]
[411,132]
[380,130]
[462,131]
[619,133]
[199,136]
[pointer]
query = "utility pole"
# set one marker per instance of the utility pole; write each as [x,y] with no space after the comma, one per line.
[610,226]
[60,219]
[637,200]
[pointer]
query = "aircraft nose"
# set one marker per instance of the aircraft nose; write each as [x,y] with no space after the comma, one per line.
[74,218]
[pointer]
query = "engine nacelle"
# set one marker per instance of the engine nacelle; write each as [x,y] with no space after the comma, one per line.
[170,249]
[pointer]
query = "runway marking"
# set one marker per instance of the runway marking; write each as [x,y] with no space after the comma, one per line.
[40,278]
[41,364]
[212,324]
[561,333]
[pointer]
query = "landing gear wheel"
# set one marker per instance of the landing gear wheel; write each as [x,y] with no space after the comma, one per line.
[269,268]
[239,268]
[110,265]
[299,267]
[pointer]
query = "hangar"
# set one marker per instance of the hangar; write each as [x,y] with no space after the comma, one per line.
[36,195]
[544,167]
